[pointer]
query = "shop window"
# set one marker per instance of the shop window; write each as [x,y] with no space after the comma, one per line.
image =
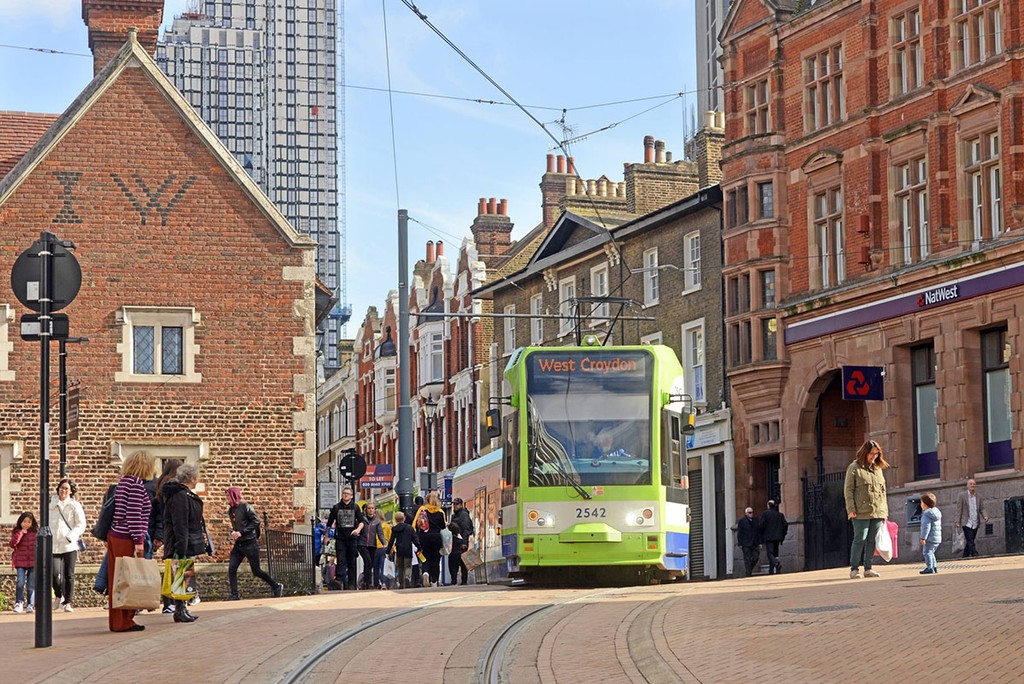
[926,430]
[995,363]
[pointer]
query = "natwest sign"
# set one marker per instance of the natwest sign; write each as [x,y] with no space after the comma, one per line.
[938,296]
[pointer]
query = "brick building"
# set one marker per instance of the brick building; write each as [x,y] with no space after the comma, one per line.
[874,200]
[197,295]
[653,240]
[445,354]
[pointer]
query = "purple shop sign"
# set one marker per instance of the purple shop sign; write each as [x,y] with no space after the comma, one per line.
[900,305]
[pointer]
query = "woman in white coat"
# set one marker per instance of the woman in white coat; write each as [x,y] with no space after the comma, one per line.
[67,520]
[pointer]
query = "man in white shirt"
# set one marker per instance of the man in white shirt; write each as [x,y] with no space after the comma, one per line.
[969,514]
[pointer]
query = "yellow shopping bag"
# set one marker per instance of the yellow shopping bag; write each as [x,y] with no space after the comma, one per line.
[179,579]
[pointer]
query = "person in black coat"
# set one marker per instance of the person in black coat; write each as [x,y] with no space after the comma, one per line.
[403,536]
[245,531]
[184,528]
[772,528]
[748,537]
[410,518]
[349,521]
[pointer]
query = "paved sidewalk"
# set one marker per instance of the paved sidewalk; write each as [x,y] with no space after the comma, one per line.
[963,625]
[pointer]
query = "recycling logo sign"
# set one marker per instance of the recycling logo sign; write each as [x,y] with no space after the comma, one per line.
[863,383]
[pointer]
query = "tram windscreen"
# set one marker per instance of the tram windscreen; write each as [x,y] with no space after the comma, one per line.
[589,417]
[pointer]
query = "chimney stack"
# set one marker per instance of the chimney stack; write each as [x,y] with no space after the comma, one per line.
[109,22]
[492,230]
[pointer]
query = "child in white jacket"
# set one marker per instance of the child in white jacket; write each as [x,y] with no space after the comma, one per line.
[931,532]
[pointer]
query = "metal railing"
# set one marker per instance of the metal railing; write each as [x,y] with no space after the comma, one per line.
[290,559]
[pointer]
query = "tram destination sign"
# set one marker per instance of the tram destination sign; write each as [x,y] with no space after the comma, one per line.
[620,364]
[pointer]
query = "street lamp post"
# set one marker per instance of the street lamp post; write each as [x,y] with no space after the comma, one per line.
[430,414]
[63,369]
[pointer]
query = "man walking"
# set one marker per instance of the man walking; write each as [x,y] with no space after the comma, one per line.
[969,513]
[349,521]
[461,519]
[772,528]
[747,538]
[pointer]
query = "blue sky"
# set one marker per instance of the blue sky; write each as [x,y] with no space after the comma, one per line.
[447,153]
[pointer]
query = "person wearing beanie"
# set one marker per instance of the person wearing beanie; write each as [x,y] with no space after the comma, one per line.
[245,531]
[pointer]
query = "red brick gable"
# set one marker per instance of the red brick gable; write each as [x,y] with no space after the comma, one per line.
[19,131]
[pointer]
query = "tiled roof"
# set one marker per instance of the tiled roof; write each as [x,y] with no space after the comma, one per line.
[19,131]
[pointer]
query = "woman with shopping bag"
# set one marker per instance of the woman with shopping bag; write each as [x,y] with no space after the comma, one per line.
[866,505]
[184,527]
[127,534]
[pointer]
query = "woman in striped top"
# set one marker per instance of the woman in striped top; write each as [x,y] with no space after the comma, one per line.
[127,534]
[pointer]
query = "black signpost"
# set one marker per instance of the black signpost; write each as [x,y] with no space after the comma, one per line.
[45,278]
[351,467]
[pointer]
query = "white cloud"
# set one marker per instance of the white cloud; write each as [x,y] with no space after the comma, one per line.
[57,12]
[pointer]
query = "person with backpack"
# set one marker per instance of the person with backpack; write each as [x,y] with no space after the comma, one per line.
[402,545]
[245,531]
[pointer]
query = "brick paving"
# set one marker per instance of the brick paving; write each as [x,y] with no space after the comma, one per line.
[961,625]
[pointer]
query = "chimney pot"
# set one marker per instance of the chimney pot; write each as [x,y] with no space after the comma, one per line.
[503,207]
[492,206]
[481,206]
[668,157]
[551,163]
[570,166]
[709,119]
[648,149]
[430,251]
[561,163]
[659,151]
[440,248]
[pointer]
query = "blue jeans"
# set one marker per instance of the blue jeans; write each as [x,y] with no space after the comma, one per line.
[864,532]
[928,550]
[25,577]
[378,568]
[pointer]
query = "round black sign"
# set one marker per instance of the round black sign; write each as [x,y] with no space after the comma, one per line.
[65,280]
[352,466]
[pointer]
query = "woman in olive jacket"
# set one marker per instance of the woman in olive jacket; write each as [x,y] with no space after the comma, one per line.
[184,535]
[866,505]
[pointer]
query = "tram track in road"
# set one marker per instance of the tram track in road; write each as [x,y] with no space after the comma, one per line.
[312,660]
[637,653]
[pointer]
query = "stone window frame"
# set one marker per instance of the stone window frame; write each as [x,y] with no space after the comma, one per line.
[757,118]
[185,317]
[687,355]
[910,207]
[824,173]
[194,453]
[923,377]
[907,62]
[994,365]
[691,264]
[652,338]
[972,22]
[599,312]
[536,322]
[6,345]
[982,179]
[823,86]
[508,325]
[565,303]
[652,277]
[12,454]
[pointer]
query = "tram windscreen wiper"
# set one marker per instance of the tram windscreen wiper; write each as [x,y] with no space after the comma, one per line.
[554,447]
[569,480]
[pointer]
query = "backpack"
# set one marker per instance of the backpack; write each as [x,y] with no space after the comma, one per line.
[106,516]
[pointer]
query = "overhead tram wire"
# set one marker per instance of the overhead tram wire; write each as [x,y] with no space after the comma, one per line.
[624,271]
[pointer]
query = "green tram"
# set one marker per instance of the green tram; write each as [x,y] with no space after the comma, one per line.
[594,486]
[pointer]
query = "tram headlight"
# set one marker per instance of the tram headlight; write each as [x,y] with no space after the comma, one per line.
[640,518]
[539,518]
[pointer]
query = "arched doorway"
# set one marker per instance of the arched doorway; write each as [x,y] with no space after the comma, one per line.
[839,429]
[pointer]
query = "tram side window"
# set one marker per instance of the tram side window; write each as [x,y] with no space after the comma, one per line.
[510,451]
